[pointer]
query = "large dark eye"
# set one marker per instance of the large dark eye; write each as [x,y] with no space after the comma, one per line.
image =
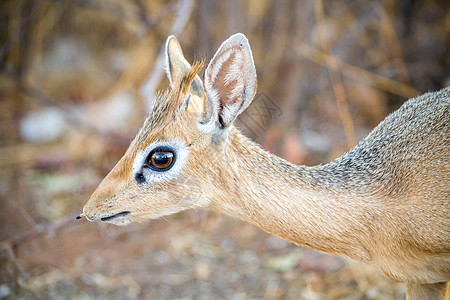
[160,159]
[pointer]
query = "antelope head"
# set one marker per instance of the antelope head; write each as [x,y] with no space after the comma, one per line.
[178,159]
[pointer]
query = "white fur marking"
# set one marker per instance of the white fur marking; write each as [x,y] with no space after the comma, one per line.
[167,62]
[217,65]
[151,176]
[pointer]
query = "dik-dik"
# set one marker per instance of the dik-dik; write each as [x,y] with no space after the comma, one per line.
[385,203]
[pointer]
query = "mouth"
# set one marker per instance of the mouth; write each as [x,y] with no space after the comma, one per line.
[116,216]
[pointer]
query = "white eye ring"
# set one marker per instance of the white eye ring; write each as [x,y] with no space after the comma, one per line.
[149,176]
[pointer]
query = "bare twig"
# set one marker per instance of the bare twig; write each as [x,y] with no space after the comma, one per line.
[148,89]
[39,230]
[18,204]
[389,30]
[151,22]
[336,81]
[70,115]
[110,7]
[355,73]
[46,100]
[12,256]
[9,250]
[9,244]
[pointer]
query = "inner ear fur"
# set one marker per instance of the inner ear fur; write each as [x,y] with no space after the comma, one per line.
[230,81]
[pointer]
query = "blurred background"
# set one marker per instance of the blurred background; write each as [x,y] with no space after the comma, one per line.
[77,78]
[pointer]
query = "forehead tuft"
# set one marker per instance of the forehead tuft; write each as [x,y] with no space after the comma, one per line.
[167,104]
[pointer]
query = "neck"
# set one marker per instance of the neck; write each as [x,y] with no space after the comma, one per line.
[297,203]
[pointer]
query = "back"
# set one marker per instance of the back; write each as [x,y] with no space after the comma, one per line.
[408,153]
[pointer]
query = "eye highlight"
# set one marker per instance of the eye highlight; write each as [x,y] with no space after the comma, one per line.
[160,159]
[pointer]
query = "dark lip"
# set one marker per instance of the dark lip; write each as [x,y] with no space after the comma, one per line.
[119,215]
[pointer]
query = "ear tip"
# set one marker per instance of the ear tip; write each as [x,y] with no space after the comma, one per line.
[173,47]
[171,39]
[239,38]
[240,35]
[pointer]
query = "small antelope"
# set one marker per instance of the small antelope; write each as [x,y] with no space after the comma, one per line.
[385,203]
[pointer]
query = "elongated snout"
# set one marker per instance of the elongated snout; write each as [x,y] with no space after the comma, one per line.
[101,206]
[107,203]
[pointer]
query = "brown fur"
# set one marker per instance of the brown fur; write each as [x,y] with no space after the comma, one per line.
[386,202]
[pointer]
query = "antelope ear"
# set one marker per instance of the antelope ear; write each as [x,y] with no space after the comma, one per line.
[177,66]
[230,82]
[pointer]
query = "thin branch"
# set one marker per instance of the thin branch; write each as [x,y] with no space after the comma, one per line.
[38,230]
[143,16]
[336,81]
[357,74]
[72,117]
[112,8]
[46,100]
[18,204]
[396,48]
[9,250]
[148,89]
